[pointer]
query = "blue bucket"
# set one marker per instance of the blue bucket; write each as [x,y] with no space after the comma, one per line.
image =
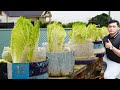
[34,70]
[99,49]
[98,45]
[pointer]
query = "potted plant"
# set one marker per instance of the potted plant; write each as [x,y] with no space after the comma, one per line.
[61,63]
[81,42]
[26,62]
[99,49]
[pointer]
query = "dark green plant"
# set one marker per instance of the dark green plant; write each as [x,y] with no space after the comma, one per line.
[100,20]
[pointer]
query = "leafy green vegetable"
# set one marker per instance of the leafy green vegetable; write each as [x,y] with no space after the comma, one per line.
[92,32]
[103,32]
[56,35]
[24,40]
[7,56]
[4,61]
[96,33]
[78,33]
[70,33]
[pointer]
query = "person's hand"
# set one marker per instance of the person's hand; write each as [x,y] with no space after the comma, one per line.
[108,44]
[101,76]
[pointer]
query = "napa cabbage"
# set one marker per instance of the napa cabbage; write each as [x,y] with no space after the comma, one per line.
[24,40]
[56,35]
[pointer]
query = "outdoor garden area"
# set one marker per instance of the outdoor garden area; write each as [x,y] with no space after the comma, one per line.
[52,50]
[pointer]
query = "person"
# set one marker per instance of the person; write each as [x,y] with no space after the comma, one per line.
[112,45]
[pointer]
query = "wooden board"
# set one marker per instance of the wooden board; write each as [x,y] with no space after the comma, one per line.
[77,70]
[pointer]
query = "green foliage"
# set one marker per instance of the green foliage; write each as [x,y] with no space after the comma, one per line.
[69,25]
[92,31]
[101,20]
[95,33]
[56,35]
[7,56]
[103,32]
[24,40]
[78,33]
[44,25]
[4,61]
[70,33]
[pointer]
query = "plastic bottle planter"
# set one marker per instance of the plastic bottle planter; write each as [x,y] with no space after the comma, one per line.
[99,49]
[84,53]
[34,70]
[60,63]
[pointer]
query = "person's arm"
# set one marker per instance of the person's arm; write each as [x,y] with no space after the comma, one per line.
[114,49]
